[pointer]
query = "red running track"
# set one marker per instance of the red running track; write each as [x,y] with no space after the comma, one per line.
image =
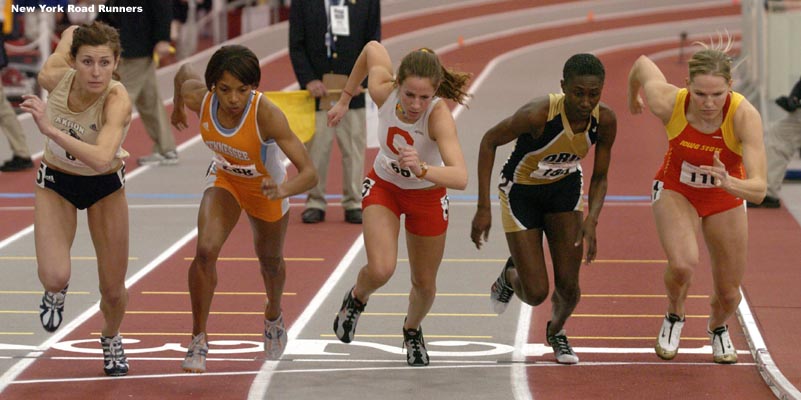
[332,240]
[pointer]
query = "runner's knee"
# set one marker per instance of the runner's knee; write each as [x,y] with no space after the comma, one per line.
[271,265]
[568,294]
[680,272]
[380,273]
[533,294]
[729,298]
[114,295]
[427,289]
[206,256]
[54,282]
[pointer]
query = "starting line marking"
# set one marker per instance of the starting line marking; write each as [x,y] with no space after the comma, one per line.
[403,368]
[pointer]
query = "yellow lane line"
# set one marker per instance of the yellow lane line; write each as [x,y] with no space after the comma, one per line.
[254,259]
[438,295]
[320,259]
[629,338]
[630,316]
[190,312]
[74,258]
[218,293]
[503,260]
[375,336]
[643,296]
[429,336]
[634,296]
[39,292]
[375,314]
[188,333]
[16,333]
[600,295]
[392,314]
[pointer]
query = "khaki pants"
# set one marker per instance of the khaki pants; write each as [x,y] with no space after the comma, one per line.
[12,128]
[139,77]
[351,139]
[781,143]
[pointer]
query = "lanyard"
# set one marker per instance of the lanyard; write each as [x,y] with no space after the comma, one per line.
[330,44]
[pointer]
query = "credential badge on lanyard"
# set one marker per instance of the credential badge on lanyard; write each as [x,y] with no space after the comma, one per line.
[340,24]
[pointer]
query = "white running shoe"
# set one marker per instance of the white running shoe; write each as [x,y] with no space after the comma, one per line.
[114,361]
[168,158]
[415,345]
[195,361]
[723,351]
[667,343]
[52,308]
[274,338]
[561,348]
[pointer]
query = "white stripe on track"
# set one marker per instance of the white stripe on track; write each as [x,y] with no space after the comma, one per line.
[258,388]
[31,357]
[394,369]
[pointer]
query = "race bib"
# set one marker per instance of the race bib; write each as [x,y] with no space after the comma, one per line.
[245,171]
[695,176]
[552,171]
[63,155]
[391,166]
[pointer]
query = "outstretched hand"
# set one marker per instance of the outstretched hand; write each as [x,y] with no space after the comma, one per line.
[271,189]
[636,105]
[587,234]
[336,113]
[718,171]
[178,118]
[409,159]
[480,228]
[38,109]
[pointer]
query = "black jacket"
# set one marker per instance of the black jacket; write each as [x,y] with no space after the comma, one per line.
[140,31]
[307,28]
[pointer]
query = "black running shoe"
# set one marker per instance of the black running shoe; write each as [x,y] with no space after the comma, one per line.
[114,361]
[415,345]
[51,309]
[347,317]
[16,163]
[500,291]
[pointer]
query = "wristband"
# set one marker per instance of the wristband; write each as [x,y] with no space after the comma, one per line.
[424,169]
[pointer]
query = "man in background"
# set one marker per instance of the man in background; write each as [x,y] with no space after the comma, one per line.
[142,34]
[21,159]
[325,38]
[781,143]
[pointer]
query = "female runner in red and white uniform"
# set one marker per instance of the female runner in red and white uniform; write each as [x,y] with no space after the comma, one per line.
[419,159]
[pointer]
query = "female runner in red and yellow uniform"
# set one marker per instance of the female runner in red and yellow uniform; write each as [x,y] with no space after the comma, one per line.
[715,160]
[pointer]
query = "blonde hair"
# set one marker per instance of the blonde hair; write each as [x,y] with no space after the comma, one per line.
[713,59]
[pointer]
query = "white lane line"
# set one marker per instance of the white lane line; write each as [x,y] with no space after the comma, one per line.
[394,369]
[771,374]
[20,366]
[520,386]
[519,373]
[258,389]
